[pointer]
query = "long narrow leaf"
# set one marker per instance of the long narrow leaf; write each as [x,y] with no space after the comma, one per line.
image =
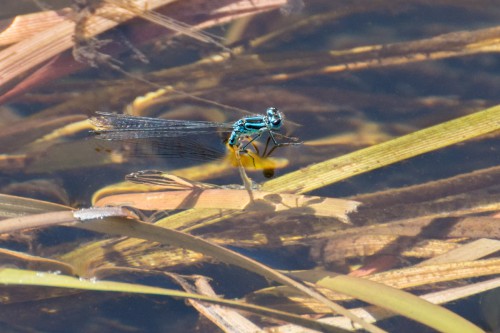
[417,143]
[400,302]
[33,278]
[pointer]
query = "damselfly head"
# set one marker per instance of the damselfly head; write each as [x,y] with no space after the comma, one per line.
[274,117]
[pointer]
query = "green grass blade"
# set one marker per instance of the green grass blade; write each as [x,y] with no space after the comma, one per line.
[400,302]
[11,276]
[374,157]
[133,228]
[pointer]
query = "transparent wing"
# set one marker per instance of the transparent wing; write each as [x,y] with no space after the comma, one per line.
[196,148]
[112,126]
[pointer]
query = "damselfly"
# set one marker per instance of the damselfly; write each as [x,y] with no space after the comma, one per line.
[111,126]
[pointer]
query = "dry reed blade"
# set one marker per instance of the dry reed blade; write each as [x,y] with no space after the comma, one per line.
[46,44]
[233,199]
[24,26]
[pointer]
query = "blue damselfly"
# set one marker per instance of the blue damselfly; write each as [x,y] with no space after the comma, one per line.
[242,133]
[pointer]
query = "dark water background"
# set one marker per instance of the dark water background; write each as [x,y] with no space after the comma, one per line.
[337,104]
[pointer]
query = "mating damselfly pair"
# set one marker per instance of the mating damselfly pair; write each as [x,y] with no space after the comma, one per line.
[176,135]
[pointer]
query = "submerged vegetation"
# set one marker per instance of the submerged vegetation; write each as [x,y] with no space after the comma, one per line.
[388,211]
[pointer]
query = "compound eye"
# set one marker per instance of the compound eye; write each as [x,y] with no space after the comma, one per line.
[272,112]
